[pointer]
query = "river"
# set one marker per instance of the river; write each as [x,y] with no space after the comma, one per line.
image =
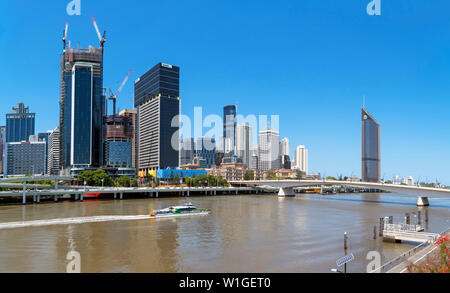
[243,234]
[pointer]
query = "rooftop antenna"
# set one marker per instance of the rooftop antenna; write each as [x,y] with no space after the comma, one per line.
[364,102]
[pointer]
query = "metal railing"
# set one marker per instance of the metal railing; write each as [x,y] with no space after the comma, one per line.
[406,255]
[402,228]
[402,258]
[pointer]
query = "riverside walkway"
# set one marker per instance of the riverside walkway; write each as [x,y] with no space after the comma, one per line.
[121,193]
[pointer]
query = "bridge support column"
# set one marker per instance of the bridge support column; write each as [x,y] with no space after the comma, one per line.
[56,198]
[157,194]
[38,199]
[24,194]
[286,191]
[188,193]
[81,197]
[115,195]
[321,189]
[423,201]
[121,195]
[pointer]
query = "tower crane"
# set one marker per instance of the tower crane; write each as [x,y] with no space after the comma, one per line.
[113,97]
[101,38]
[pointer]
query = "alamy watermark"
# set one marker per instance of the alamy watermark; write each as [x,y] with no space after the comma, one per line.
[74,7]
[374,7]
[74,265]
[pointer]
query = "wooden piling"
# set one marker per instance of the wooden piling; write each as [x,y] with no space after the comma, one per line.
[381,227]
[391,219]
[375,232]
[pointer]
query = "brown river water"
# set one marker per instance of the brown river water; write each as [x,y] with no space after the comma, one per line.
[243,234]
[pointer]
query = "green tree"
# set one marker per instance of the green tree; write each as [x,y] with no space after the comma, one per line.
[95,178]
[248,176]
[124,181]
[299,174]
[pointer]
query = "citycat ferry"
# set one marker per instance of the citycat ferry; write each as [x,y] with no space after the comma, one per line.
[187,209]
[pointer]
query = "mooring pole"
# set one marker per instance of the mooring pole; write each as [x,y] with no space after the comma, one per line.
[345,240]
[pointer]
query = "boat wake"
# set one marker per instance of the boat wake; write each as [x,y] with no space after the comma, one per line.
[68,221]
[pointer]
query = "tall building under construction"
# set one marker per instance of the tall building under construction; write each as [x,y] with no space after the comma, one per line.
[82,106]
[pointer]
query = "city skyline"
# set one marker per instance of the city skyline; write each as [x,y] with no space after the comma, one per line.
[408,122]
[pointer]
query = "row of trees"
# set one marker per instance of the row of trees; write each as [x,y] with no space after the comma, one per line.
[101,178]
[206,180]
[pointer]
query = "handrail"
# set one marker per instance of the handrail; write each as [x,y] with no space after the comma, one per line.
[408,253]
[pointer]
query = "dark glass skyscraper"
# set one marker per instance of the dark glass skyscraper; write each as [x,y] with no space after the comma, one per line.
[82,108]
[229,128]
[156,96]
[371,167]
[20,124]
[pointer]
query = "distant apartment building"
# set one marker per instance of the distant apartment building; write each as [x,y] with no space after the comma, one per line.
[371,133]
[20,124]
[205,148]
[285,147]
[244,143]
[301,159]
[156,97]
[25,158]
[53,152]
[229,171]
[269,150]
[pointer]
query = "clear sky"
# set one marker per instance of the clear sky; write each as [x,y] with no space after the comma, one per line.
[309,61]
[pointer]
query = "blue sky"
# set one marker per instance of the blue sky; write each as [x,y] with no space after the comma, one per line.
[309,61]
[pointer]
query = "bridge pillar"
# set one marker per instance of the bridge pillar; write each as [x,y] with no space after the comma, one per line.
[157,194]
[423,201]
[188,193]
[81,197]
[286,191]
[121,195]
[24,194]
[115,195]
[38,199]
[56,198]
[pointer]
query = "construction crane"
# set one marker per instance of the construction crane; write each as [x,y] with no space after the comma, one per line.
[65,34]
[113,97]
[101,38]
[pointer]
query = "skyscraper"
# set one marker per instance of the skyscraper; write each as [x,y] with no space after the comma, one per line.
[301,159]
[269,150]
[53,150]
[187,151]
[371,166]
[205,148]
[2,146]
[156,97]
[132,115]
[285,147]
[229,128]
[118,136]
[244,148]
[20,124]
[82,107]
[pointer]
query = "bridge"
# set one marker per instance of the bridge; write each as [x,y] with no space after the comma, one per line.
[286,187]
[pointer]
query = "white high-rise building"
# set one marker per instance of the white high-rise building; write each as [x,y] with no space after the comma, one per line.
[244,143]
[301,159]
[53,152]
[269,150]
[284,147]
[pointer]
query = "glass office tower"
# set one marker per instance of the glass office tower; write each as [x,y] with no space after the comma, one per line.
[82,108]
[156,97]
[229,128]
[371,166]
[20,124]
